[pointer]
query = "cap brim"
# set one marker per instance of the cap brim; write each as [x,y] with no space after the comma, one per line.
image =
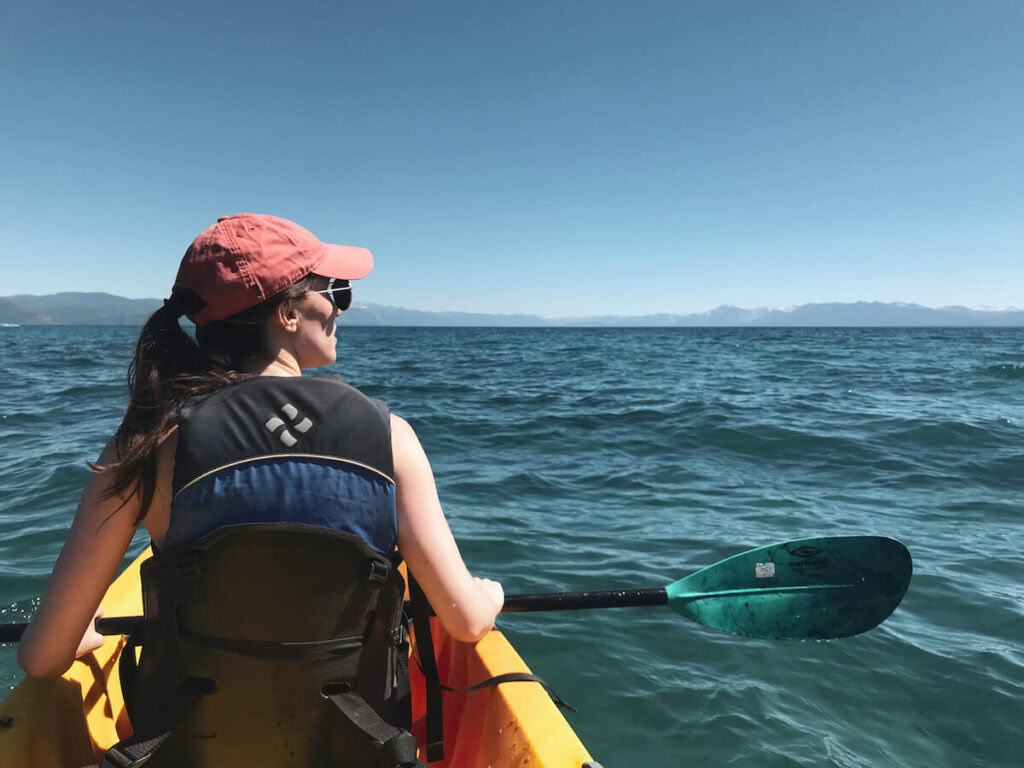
[344,262]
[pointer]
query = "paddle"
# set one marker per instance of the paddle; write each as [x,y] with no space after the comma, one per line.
[807,589]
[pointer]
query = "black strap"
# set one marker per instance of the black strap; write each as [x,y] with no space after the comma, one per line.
[393,747]
[515,677]
[507,677]
[183,301]
[428,664]
[127,672]
[313,650]
[127,754]
[401,694]
[138,748]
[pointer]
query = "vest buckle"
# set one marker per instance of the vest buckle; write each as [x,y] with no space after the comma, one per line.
[378,571]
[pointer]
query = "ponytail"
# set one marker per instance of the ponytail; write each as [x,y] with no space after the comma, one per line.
[169,368]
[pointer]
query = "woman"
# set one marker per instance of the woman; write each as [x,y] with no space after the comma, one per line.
[264,294]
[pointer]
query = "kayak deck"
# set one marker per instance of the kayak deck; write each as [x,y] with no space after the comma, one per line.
[70,721]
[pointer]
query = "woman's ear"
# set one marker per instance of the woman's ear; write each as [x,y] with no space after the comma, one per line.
[286,317]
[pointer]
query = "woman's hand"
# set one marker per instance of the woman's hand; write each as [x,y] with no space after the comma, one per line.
[92,639]
[493,590]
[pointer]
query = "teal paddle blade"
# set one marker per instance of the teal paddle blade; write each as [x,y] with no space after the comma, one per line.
[806,589]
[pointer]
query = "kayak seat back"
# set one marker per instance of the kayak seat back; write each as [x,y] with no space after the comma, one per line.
[295,635]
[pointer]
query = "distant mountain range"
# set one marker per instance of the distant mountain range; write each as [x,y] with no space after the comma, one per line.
[105,309]
[857,314]
[72,308]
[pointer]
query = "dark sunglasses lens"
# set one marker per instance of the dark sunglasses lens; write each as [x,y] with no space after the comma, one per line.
[341,295]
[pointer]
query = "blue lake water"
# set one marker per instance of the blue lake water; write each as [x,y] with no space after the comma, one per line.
[572,459]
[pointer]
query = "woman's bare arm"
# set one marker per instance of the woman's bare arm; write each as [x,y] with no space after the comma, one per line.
[466,606]
[100,534]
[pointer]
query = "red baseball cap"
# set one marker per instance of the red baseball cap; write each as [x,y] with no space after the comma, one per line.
[245,259]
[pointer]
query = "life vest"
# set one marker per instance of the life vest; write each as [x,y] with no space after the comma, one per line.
[273,631]
[272,449]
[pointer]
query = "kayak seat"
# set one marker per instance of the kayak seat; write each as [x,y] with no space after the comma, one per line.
[269,645]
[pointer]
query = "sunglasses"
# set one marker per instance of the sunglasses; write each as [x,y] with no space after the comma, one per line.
[339,292]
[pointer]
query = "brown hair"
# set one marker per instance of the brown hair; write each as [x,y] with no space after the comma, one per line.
[169,368]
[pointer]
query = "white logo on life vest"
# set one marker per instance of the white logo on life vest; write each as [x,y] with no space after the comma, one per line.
[275,423]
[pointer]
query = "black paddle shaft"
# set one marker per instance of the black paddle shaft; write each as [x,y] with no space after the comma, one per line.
[564,601]
[544,601]
[11,633]
[118,625]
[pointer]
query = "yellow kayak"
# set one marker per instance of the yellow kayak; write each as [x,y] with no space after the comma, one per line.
[71,721]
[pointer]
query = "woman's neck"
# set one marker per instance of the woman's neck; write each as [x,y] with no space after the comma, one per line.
[282,365]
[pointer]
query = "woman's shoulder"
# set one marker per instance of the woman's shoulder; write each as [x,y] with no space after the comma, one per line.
[333,386]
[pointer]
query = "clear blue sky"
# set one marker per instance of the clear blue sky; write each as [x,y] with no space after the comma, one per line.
[562,158]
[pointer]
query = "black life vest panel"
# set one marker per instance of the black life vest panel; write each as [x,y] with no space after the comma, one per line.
[291,634]
[284,449]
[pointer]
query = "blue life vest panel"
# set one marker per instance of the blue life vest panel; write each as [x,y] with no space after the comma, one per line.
[285,449]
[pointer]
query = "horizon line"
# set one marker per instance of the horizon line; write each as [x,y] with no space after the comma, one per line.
[552,317]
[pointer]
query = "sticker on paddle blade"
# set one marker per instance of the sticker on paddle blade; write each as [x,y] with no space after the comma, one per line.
[764,570]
